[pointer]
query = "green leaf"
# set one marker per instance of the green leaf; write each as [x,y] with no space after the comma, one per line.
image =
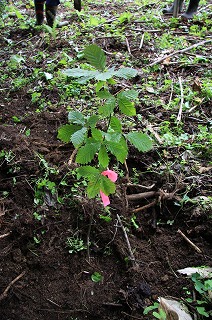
[78,73]
[119,150]
[107,186]
[87,152]
[140,140]
[113,136]
[126,73]
[95,56]
[96,134]
[129,94]
[104,94]
[78,137]
[202,311]
[108,107]
[65,132]
[92,120]
[126,106]
[76,117]
[88,172]
[100,85]
[115,124]
[94,187]
[103,76]
[103,157]
[96,277]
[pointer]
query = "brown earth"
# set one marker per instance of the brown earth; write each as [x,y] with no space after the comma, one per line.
[55,284]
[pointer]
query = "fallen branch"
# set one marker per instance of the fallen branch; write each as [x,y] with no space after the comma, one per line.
[189,241]
[149,194]
[5,292]
[147,206]
[180,52]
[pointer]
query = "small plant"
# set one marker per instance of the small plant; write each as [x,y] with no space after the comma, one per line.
[159,314]
[100,137]
[203,287]
[75,244]
[96,277]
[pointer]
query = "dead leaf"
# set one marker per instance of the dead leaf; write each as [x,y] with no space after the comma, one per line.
[174,310]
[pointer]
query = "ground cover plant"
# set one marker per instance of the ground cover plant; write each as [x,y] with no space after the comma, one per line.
[134,90]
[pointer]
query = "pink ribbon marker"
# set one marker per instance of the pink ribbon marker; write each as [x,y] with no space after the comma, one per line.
[112,175]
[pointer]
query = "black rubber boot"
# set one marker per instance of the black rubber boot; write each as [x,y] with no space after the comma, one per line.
[77,5]
[51,12]
[39,7]
[192,9]
[170,10]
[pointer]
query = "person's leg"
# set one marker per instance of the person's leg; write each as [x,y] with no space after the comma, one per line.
[39,7]
[170,10]
[51,11]
[192,9]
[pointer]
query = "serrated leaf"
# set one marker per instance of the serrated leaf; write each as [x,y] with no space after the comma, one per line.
[93,187]
[129,94]
[104,94]
[95,56]
[107,186]
[87,152]
[78,73]
[126,106]
[113,136]
[108,107]
[96,134]
[140,140]
[76,117]
[88,172]
[92,120]
[126,73]
[103,76]
[103,157]
[119,150]
[65,132]
[78,137]
[115,124]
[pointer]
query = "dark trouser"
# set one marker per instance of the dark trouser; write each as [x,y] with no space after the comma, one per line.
[51,9]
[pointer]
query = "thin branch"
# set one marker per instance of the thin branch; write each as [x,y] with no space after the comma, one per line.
[189,241]
[201,43]
[5,292]
[132,258]
[147,206]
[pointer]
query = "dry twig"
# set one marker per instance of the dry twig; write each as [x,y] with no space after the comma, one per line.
[132,258]
[5,292]
[201,43]
[189,241]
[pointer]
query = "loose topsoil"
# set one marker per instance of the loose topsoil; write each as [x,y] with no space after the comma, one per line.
[40,279]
